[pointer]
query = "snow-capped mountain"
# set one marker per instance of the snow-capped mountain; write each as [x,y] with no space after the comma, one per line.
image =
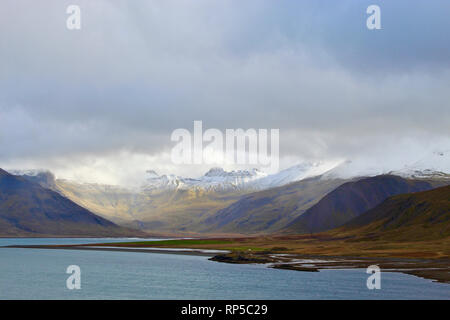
[435,165]
[216,179]
[30,172]
[295,173]
[166,182]
[349,169]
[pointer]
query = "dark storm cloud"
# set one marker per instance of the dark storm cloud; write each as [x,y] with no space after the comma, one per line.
[139,69]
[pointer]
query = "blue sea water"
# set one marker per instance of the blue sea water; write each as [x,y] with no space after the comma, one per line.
[41,274]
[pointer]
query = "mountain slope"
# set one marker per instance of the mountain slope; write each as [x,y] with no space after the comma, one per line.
[111,202]
[44,177]
[28,209]
[352,199]
[270,210]
[417,216]
[156,210]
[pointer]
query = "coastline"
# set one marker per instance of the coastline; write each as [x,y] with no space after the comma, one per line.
[93,248]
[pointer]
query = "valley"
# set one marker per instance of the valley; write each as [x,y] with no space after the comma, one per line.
[303,199]
[405,233]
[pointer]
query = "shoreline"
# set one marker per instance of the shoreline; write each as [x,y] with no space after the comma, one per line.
[89,248]
[436,270]
[90,237]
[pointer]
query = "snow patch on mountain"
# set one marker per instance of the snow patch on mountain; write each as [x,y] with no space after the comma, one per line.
[349,169]
[295,173]
[215,179]
[29,172]
[435,165]
[218,179]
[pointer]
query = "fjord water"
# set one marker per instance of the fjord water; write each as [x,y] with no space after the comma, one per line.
[41,274]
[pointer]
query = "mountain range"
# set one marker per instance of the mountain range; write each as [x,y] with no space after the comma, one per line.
[308,197]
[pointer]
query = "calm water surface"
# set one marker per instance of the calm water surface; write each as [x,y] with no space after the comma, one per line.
[41,274]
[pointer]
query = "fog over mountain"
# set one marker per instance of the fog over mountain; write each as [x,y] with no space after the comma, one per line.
[99,104]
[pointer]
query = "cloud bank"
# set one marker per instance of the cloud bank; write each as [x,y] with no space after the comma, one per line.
[100,103]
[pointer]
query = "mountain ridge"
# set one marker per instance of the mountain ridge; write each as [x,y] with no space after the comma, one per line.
[242,201]
[352,199]
[406,217]
[28,209]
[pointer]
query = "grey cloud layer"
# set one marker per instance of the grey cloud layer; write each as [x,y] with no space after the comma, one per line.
[139,69]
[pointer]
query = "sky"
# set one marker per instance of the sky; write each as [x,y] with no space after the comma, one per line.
[99,104]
